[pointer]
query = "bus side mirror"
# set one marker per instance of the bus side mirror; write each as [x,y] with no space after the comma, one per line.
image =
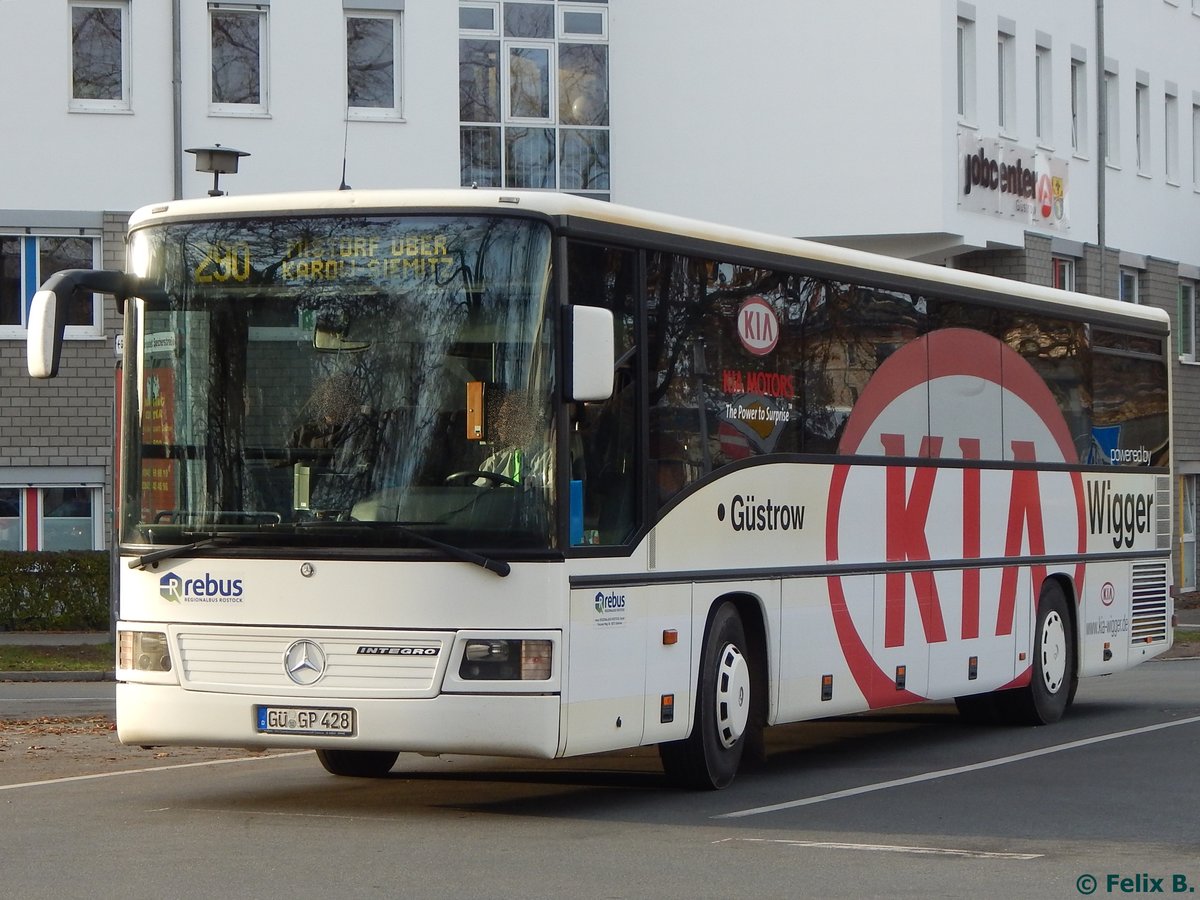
[593,353]
[49,309]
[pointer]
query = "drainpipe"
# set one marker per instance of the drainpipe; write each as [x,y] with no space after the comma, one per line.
[176,103]
[1102,149]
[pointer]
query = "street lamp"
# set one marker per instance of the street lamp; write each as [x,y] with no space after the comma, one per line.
[218,160]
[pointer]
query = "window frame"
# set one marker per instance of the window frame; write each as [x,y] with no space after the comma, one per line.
[1171,136]
[1079,109]
[262,107]
[564,9]
[123,104]
[494,7]
[1043,96]
[1127,275]
[1112,118]
[32,514]
[32,277]
[1186,322]
[1006,83]
[1062,273]
[1143,145]
[966,63]
[394,112]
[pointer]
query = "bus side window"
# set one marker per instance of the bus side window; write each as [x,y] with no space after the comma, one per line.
[603,438]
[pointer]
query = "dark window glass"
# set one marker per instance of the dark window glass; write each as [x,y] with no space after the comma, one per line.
[583,159]
[10,519]
[60,253]
[583,84]
[236,54]
[529,82]
[479,81]
[67,523]
[476,19]
[10,281]
[583,23]
[530,157]
[96,59]
[529,20]
[370,62]
[603,441]
[479,156]
[1130,400]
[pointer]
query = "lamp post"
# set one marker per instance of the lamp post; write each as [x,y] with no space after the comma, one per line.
[218,160]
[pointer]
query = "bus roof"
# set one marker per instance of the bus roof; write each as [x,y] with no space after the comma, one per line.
[612,218]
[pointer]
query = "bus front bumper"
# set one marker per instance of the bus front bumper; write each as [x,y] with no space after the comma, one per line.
[524,725]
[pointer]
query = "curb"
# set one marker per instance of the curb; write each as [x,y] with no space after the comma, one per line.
[57,676]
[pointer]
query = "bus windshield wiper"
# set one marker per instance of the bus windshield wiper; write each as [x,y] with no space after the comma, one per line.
[216,540]
[498,566]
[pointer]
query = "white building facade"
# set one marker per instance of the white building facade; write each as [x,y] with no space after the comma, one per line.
[1015,137]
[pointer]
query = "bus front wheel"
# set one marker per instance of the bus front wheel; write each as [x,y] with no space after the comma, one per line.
[358,763]
[710,757]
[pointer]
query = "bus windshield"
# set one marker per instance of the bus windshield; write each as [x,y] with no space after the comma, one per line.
[340,381]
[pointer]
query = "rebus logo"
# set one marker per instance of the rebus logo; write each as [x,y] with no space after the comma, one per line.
[170,587]
[609,602]
[206,588]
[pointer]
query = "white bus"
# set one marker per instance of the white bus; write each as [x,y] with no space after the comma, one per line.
[526,474]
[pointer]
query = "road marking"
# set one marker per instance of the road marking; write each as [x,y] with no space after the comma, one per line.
[957,770]
[889,848]
[123,772]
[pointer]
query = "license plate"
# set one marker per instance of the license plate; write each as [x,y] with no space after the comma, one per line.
[304,720]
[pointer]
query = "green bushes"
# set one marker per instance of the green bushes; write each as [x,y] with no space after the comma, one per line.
[66,591]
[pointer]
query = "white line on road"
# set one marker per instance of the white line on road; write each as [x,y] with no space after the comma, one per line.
[191,765]
[957,770]
[888,848]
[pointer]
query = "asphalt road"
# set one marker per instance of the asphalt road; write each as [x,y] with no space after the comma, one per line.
[911,803]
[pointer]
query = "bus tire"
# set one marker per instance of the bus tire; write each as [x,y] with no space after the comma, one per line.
[1054,679]
[709,758]
[358,763]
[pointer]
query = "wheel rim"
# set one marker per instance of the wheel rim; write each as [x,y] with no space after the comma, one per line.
[1054,652]
[733,696]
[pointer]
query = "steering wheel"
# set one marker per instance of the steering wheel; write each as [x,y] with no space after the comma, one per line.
[494,477]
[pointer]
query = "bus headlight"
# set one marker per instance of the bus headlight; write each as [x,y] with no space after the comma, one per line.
[490,659]
[143,651]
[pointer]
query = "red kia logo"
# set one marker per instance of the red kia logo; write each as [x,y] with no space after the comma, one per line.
[941,397]
[757,326]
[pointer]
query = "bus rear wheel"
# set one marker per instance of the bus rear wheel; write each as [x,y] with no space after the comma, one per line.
[358,763]
[1053,681]
[710,757]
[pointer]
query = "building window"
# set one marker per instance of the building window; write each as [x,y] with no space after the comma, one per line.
[1196,145]
[1141,126]
[51,518]
[1043,106]
[1171,136]
[1006,82]
[1187,532]
[966,70]
[1062,273]
[11,532]
[373,88]
[1127,285]
[28,260]
[1079,124]
[1112,119]
[1186,324]
[533,96]
[239,58]
[100,56]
